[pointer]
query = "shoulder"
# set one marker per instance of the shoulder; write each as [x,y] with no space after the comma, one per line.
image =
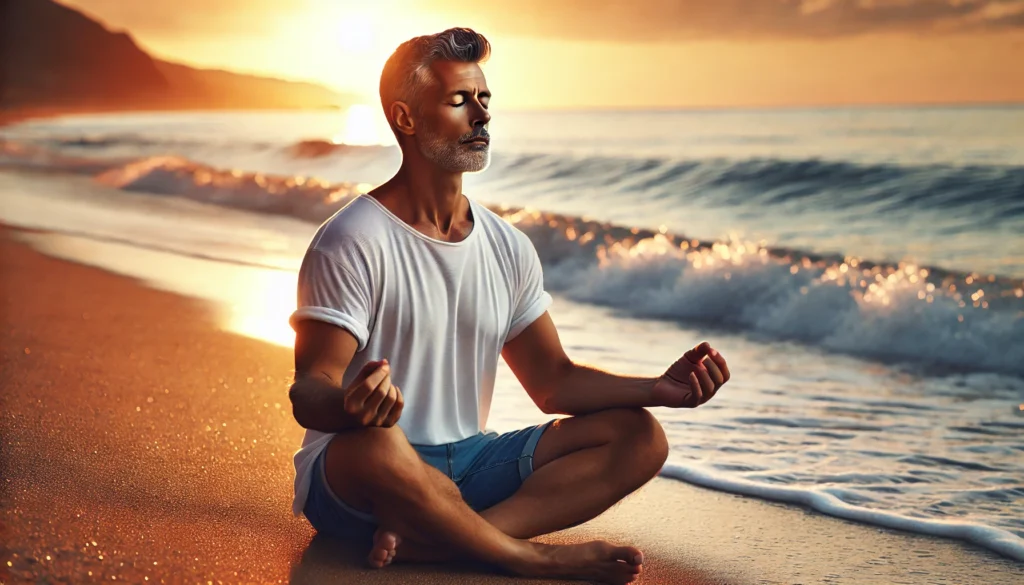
[358,228]
[504,233]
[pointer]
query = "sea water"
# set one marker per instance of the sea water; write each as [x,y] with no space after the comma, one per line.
[862,270]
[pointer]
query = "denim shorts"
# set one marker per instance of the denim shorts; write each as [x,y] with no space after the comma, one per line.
[487,468]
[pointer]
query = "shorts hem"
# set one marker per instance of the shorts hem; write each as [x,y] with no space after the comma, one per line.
[526,458]
[321,469]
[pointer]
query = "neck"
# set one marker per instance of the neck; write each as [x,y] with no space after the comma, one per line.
[432,195]
[427,198]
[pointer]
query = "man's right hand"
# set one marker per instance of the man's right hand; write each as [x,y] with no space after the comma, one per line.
[371,399]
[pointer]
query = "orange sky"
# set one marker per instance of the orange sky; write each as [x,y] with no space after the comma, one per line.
[618,53]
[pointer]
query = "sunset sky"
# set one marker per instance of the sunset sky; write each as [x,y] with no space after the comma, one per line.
[617,53]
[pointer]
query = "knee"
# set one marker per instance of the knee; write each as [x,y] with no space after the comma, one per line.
[365,465]
[373,455]
[641,433]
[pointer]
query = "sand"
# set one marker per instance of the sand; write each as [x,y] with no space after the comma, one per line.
[140,443]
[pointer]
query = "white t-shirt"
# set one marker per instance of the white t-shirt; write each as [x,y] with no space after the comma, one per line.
[440,312]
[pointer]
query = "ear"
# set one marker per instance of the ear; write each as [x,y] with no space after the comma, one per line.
[402,116]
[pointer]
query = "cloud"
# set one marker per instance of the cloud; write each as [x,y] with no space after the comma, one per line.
[668,20]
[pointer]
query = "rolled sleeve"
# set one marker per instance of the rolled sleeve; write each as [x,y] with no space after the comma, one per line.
[335,289]
[532,300]
[528,316]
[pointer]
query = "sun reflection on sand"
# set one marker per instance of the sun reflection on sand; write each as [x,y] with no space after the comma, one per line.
[261,310]
[250,301]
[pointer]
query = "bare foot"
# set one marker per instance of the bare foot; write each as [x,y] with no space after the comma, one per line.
[594,561]
[384,545]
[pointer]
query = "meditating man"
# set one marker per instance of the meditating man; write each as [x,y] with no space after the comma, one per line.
[407,297]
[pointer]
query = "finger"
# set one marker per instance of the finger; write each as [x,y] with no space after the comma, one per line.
[707,386]
[695,392]
[367,369]
[374,400]
[695,355]
[396,410]
[719,360]
[361,391]
[385,407]
[716,375]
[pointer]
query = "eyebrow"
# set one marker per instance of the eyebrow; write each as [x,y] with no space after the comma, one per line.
[467,93]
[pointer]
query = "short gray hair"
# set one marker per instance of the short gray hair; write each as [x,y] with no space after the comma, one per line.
[406,69]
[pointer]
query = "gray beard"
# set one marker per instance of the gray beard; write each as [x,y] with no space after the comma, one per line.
[453,156]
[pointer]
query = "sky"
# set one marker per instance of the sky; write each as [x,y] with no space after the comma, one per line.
[622,54]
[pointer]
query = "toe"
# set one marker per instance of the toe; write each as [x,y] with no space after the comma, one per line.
[378,558]
[620,575]
[628,554]
[386,540]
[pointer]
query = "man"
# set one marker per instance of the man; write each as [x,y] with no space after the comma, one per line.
[407,296]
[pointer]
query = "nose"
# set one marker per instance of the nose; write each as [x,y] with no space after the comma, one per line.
[481,116]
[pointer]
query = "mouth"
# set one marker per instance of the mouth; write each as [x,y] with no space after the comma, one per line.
[478,140]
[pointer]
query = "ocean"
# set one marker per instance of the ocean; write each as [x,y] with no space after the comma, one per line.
[861,269]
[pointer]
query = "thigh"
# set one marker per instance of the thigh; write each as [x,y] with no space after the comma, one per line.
[493,467]
[337,503]
[576,433]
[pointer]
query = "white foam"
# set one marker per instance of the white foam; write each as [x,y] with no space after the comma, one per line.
[891,312]
[994,539]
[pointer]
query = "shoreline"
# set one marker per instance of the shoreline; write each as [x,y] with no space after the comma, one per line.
[13,116]
[131,420]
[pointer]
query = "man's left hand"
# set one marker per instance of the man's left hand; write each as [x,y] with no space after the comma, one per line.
[693,379]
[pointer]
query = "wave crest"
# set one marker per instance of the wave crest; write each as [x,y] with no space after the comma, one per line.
[941,319]
[891,312]
[305,198]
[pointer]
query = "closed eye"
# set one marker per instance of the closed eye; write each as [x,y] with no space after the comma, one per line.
[484,98]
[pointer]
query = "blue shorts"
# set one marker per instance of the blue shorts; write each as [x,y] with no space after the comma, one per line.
[487,468]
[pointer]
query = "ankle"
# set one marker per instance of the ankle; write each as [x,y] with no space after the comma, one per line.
[529,559]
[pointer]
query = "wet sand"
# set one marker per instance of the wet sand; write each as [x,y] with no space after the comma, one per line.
[140,443]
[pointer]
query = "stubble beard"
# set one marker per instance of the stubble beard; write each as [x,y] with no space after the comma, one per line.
[454,157]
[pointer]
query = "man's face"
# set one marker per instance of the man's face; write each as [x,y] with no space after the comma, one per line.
[452,118]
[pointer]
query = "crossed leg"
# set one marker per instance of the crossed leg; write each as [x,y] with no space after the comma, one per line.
[582,466]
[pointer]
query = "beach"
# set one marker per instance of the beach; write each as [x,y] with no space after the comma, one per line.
[143,443]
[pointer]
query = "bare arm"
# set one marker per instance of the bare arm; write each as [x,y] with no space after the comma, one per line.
[560,386]
[323,353]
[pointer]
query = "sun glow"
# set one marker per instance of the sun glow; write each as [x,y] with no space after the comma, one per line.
[347,43]
[251,301]
[261,305]
[364,125]
[357,33]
